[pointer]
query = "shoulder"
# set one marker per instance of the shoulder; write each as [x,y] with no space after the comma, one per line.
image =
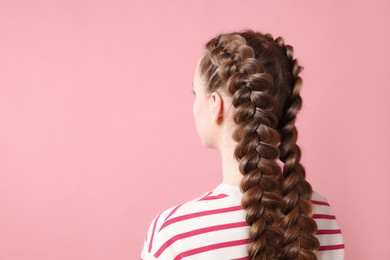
[190,225]
[328,233]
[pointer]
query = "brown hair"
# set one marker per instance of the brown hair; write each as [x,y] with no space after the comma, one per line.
[262,76]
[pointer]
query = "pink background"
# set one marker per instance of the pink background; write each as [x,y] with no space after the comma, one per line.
[96,127]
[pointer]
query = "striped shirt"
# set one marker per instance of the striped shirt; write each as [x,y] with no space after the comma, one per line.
[213,226]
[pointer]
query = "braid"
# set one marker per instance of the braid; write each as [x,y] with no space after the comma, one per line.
[262,77]
[299,237]
[257,142]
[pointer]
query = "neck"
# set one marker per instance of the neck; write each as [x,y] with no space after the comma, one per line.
[230,171]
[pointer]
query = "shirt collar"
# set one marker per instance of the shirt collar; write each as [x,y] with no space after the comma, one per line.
[229,189]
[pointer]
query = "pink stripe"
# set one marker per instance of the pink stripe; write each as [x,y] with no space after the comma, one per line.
[198,232]
[154,229]
[331,247]
[205,195]
[173,211]
[320,202]
[328,231]
[212,247]
[324,216]
[242,258]
[220,196]
[200,214]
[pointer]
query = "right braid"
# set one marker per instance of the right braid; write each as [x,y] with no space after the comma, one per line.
[300,228]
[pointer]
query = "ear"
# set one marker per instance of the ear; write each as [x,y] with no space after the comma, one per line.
[216,107]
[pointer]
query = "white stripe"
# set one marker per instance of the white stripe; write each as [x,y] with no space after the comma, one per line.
[203,205]
[333,239]
[322,209]
[224,253]
[326,224]
[331,254]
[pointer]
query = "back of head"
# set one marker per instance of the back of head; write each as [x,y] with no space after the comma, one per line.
[262,76]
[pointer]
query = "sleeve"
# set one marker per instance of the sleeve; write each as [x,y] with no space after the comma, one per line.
[155,238]
[146,253]
[329,233]
[147,256]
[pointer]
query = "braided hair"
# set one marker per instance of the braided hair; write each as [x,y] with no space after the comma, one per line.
[262,76]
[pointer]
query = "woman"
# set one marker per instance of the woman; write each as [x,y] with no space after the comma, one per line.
[247,89]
